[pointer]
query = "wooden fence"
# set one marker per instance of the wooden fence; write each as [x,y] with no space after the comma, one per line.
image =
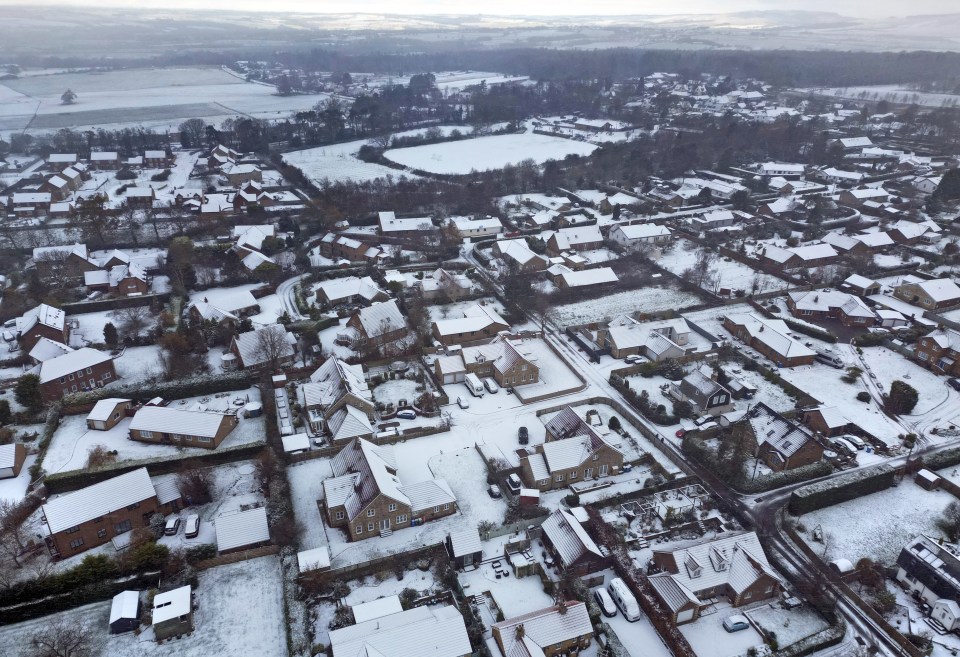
[237,557]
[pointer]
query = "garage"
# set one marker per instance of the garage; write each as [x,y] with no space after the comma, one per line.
[450,369]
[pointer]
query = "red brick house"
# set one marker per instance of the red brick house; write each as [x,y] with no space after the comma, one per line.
[42,322]
[76,371]
[939,351]
[771,337]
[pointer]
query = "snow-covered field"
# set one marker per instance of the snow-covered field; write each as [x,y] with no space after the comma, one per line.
[727,273]
[888,366]
[889,92]
[483,153]
[707,636]
[153,97]
[790,625]
[645,300]
[72,441]
[239,611]
[877,525]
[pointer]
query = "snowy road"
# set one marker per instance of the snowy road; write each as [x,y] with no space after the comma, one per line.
[287,293]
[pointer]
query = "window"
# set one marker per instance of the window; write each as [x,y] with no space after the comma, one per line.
[339,515]
[596,457]
[73,529]
[587,473]
[371,513]
[721,399]
[135,505]
[559,477]
[402,518]
[359,529]
[603,470]
[392,507]
[202,439]
[523,367]
[436,509]
[123,526]
[98,519]
[63,379]
[446,507]
[101,533]
[370,526]
[748,595]
[70,377]
[106,375]
[543,482]
[89,370]
[146,434]
[573,474]
[806,312]
[75,543]
[923,355]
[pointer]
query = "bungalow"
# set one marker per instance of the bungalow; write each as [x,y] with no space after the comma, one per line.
[237,303]
[563,629]
[581,238]
[340,246]
[770,337]
[691,574]
[107,413]
[564,277]
[181,428]
[930,295]
[12,456]
[266,347]
[861,285]
[833,304]
[657,340]
[479,322]
[60,263]
[517,253]
[711,220]
[638,236]
[80,370]
[390,226]
[238,174]
[799,257]
[828,421]
[172,613]
[785,170]
[857,197]
[443,284]
[911,232]
[437,631]
[243,530]
[839,177]
[379,324]
[351,289]
[251,238]
[122,280]
[365,498]
[92,516]
[483,227]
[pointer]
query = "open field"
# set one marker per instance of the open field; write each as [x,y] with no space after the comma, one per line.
[130,97]
[890,92]
[483,153]
[644,300]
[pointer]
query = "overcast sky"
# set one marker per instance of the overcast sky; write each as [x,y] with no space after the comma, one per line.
[862,8]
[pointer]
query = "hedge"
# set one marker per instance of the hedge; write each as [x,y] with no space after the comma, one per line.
[192,387]
[848,486]
[811,331]
[64,482]
[943,459]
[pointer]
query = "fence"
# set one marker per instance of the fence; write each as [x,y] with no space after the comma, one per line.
[559,393]
[331,450]
[354,571]
[237,557]
[114,304]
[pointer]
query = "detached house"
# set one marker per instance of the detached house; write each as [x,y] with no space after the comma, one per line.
[338,398]
[508,361]
[771,337]
[833,304]
[63,262]
[182,428]
[930,295]
[428,631]
[351,289]
[483,227]
[96,514]
[689,575]
[479,322]
[799,257]
[270,346]
[42,322]
[781,444]
[571,546]
[517,253]
[656,340]
[581,238]
[564,629]
[379,324]
[365,498]
[930,569]
[939,351]
[639,236]
[701,389]
[76,371]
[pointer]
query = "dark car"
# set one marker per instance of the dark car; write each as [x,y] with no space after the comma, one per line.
[523,435]
[494,492]
[954,383]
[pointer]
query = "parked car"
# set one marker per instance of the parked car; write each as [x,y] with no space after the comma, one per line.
[463,402]
[407,414]
[605,602]
[735,623]
[633,360]
[172,526]
[494,492]
[491,386]
[523,436]
[192,527]
[954,383]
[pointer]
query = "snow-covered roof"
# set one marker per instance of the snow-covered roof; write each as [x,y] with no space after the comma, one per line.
[165,419]
[484,224]
[314,559]
[172,604]
[585,277]
[465,541]
[568,537]
[475,318]
[428,494]
[102,409]
[940,289]
[517,250]
[44,314]
[645,231]
[544,628]
[418,632]
[98,500]
[74,361]
[252,350]
[8,455]
[333,379]
[390,224]
[45,349]
[125,605]
[567,238]
[856,280]
[298,442]
[243,528]
[776,431]
[772,332]
[380,318]
[351,286]
[349,422]
[167,487]
[378,608]
[827,300]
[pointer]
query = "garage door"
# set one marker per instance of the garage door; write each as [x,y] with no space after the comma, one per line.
[684,616]
[456,377]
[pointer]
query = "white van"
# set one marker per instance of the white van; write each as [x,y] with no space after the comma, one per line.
[830,358]
[472,381]
[618,590]
[856,441]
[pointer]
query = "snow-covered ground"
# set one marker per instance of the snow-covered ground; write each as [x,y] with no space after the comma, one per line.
[14,488]
[393,391]
[555,376]
[726,272]
[339,163]
[483,153]
[707,636]
[239,611]
[888,366]
[639,637]
[645,300]
[877,525]
[72,441]
[790,625]
[889,92]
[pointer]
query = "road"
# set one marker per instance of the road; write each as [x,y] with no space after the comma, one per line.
[287,293]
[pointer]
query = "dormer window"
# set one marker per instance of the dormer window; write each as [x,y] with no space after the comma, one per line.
[693,568]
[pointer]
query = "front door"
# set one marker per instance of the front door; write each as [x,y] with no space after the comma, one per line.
[603,470]
[587,473]
[385,524]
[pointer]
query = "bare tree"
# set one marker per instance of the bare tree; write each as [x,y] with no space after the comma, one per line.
[63,638]
[133,320]
[272,346]
[54,267]
[14,532]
